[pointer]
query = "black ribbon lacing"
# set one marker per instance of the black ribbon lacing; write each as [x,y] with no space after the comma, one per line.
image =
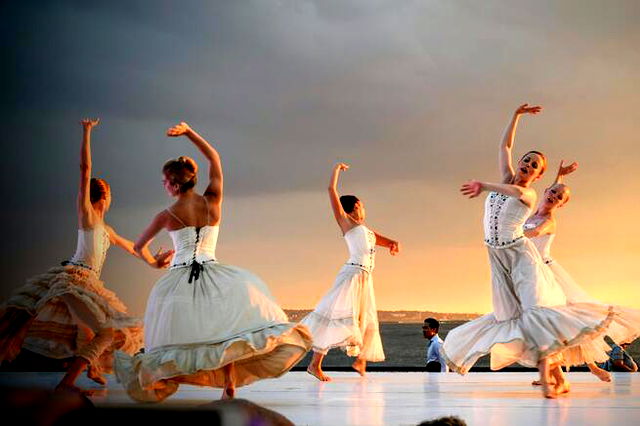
[196,268]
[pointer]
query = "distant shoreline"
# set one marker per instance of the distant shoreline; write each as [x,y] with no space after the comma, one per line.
[398,317]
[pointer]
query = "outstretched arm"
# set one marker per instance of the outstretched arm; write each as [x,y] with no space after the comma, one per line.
[84,191]
[473,188]
[141,247]
[392,245]
[338,212]
[565,170]
[546,227]
[505,160]
[214,189]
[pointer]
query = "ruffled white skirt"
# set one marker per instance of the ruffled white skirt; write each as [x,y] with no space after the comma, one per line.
[533,318]
[192,330]
[346,317]
[50,327]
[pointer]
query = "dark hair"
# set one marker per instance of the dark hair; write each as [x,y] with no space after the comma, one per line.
[98,189]
[181,171]
[348,202]
[544,157]
[432,323]
[444,421]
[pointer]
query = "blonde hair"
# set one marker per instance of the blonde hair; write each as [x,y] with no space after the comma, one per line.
[181,171]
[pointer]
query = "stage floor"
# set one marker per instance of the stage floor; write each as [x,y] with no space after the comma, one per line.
[408,398]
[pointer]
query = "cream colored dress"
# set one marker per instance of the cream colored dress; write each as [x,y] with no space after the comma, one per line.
[624,328]
[346,316]
[202,315]
[531,318]
[58,301]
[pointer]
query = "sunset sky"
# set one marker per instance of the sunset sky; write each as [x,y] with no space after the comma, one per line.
[414,95]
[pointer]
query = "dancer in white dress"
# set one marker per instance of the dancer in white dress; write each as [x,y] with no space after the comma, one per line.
[68,312]
[541,229]
[531,323]
[206,323]
[346,316]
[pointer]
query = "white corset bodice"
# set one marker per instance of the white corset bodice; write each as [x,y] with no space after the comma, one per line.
[503,220]
[92,247]
[193,244]
[361,242]
[543,244]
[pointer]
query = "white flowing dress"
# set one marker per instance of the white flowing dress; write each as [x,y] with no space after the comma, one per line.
[346,316]
[531,318]
[203,315]
[624,328]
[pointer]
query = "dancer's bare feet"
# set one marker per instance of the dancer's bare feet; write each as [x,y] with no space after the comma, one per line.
[229,392]
[563,387]
[96,375]
[548,391]
[539,382]
[360,365]
[317,372]
[601,374]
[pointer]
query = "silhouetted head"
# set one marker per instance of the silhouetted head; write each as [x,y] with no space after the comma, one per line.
[180,175]
[100,194]
[430,327]
[353,207]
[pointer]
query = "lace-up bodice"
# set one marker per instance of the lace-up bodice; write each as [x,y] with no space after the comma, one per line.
[361,242]
[193,244]
[91,250]
[503,220]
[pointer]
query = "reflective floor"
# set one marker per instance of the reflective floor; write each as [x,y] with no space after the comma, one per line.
[408,398]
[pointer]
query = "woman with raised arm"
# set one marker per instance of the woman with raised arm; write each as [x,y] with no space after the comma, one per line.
[541,229]
[67,312]
[346,316]
[206,323]
[531,323]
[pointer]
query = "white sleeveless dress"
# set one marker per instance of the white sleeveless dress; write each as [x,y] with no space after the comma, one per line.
[52,330]
[531,318]
[346,316]
[202,315]
[625,326]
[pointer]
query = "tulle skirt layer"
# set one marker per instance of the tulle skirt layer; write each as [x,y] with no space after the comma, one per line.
[194,329]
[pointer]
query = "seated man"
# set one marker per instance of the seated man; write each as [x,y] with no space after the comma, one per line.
[620,360]
[434,360]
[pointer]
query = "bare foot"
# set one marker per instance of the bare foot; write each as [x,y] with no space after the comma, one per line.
[539,382]
[318,374]
[229,392]
[96,375]
[563,387]
[548,391]
[360,366]
[601,374]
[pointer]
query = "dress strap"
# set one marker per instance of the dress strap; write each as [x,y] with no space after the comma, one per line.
[175,217]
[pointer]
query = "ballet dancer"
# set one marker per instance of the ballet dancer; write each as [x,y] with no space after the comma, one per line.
[206,323]
[346,316]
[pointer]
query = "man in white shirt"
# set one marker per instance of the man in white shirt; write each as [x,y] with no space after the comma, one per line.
[435,363]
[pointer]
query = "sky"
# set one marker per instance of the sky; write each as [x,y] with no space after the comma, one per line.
[413,94]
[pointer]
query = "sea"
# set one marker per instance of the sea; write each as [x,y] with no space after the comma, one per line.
[405,347]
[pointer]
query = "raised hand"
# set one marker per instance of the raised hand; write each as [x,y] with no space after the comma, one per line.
[565,170]
[340,167]
[89,123]
[163,258]
[471,189]
[394,248]
[526,109]
[178,129]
